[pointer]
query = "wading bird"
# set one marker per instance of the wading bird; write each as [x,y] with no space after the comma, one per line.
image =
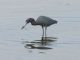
[43,21]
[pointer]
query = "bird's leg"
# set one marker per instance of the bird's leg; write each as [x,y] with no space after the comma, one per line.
[45,33]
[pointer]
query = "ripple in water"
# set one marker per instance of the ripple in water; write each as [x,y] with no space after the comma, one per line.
[44,43]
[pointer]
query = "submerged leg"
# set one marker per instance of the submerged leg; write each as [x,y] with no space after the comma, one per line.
[45,31]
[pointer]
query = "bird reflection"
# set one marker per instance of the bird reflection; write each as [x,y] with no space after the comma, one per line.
[44,43]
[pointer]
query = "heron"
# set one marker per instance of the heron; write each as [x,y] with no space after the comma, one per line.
[43,21]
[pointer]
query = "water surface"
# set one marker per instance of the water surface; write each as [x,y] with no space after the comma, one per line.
[13,40]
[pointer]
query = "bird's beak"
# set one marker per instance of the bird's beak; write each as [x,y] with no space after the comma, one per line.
[24,26]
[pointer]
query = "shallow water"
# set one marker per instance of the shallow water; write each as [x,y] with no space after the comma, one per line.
[14,41]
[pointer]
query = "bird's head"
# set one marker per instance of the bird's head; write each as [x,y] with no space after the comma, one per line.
[27,21]
[55,22]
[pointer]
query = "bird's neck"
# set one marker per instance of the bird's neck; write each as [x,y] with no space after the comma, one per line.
[33,22]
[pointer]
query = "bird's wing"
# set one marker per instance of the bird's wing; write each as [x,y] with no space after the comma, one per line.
[44,20]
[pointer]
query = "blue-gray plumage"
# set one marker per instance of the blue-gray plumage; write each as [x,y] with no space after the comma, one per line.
[42,21]
[45,21]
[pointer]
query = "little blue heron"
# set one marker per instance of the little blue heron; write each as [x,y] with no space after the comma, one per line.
[43,21]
